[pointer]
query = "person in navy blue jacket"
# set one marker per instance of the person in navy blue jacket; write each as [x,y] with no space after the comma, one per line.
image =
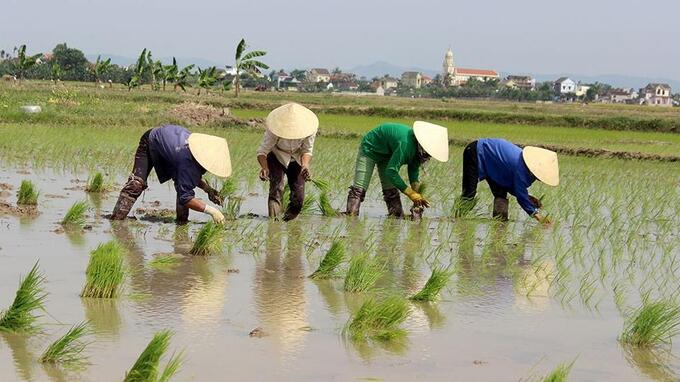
[177,154]
[508,169]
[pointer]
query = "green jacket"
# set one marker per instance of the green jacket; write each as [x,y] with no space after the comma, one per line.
[396,145]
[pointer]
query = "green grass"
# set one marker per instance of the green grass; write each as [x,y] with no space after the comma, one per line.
[30,297]
[27,194]
[654,323]
[75,216]
[147,368]
[433,286]
[379,320]
[330,262]
[209,240]
[96,183]
[362,274]
[69,348]
[560,374]
[105,272]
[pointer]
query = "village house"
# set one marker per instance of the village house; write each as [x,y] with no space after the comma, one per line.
[581,90]
[564,85]
[318,75]
[656,94]
[619,96]
[344,81]
[425,80]
[389,83]
[411,79]
[519,82]
[458,76]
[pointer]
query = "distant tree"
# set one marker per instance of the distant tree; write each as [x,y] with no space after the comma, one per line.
[182,79]
[206,79]
[24,62]
[337,70]
[100,68]
[169,73]
[298,74]
[72,62]
[245,62]
[56,72]
[140,69]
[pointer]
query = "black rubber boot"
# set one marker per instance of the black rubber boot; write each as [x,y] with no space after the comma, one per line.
[393,202]
[128,195]
[355,197]
[181,213]
[500,209]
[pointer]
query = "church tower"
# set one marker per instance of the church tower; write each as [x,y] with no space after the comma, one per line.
[449,70]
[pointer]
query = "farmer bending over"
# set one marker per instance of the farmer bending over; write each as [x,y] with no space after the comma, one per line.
[389,147]
[177,154]
[286,150]
[507,169]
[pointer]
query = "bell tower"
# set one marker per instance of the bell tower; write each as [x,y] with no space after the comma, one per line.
[449,71]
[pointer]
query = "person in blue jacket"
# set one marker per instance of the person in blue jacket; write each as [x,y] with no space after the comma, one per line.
[177,154]
[508,169]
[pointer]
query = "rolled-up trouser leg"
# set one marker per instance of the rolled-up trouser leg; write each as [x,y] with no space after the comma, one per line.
[363,171]
[276,185]
[393,202]
[182,213]
[355,196]
[296,183]
[500,208]
[128,195]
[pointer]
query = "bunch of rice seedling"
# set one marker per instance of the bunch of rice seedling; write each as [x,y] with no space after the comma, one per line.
[233,208]
[362,274]
[325,205]
[434,284]
[105,272]
[69,348]
[560,374]
[379,320]
[330,262]
[95,183]
[164,261]
[147,367]
[75,216]
[29,297]
[321,185]
[462,207]
[228,188]
[27,194]
[308,204]
[209,240]
[652,324]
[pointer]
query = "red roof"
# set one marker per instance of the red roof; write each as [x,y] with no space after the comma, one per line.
[476,72]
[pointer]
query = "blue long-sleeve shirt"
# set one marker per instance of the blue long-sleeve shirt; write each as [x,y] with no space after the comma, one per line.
[502,162]
[172,159]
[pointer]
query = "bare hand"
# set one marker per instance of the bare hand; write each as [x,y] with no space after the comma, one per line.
[306,174]
[536,201]
[214,196]
[264,174]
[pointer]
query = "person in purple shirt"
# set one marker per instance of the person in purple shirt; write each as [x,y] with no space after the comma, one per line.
[177,154]
[508,169]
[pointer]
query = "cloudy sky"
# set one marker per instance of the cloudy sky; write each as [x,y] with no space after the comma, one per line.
[591,37]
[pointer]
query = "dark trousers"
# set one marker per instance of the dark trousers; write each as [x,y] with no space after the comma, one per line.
[296,183]
[471,175]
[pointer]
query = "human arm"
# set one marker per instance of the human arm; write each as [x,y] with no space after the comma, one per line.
[306,153]
[414,175]
[268,142]
[213,194]
[398,159]
[187,178]
[198,205]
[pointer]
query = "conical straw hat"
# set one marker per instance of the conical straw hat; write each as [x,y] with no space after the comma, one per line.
[433,138]
[211,152]
[292,121]
[543,164]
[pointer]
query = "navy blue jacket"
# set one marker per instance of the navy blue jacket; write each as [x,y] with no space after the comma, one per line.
[172,159]
[502,162]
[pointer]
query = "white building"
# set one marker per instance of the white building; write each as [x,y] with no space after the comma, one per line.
[318,75]
[565,85]
[459,76]
[582,90]
[656,94]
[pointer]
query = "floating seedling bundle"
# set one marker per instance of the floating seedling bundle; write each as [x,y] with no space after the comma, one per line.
[434,284]
[96,183]
[27,194]
[30,297]
[654,323]
[209,240]
[75,216]
[330,262]
[147,367]
[379,320]
[105,271]
[69,348]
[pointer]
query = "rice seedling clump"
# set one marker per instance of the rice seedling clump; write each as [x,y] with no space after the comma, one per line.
[166,260]
[434,284]
[228,188]
[362,274]
[330,262]
[75,216]
[27,194]
[209,240]
[96,183]
[560,374]
[147,367]
[105,271]
[379,320]
[29,297]
[325,205]
[654,323]
[69,348]
[233,208]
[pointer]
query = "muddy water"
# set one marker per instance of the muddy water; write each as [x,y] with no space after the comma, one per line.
[485,328]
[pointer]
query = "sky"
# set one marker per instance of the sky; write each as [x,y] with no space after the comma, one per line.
[590,37]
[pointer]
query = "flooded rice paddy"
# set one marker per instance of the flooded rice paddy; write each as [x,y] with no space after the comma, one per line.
[522,298]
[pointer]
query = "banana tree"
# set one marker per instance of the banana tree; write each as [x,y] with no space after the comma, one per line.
[140,68]
[157,72]
[168,73]
[247,63]
[100,68]
[24,62]
[182,79]
[206,79]
[56,72]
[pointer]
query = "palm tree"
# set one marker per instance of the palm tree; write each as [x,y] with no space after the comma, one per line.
[100,68]
[206,79]
[247,63]
[25,62]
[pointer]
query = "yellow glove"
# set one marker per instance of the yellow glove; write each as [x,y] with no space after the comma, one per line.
[416,198]
[415,186]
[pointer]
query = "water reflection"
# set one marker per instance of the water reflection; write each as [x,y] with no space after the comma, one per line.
[279,286]
[103,315]
[23,358]
[653,363]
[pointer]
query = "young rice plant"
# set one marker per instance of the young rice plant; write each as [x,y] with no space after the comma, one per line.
[434,284]
[560,374]
[209,240]
[69,348]
[96,183]
[147,367]
[654,323]
[362,274]
[330,262]
[75,216]
[30,296]
[27,194]
[105,271]
[379,320]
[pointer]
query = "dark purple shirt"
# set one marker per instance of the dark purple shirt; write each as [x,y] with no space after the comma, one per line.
[172,159]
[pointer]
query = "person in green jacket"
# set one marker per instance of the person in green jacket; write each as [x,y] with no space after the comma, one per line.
[389,147]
